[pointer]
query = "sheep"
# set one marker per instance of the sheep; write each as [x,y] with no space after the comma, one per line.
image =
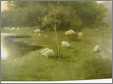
[13,28]
[70,32]
[96,48]
[65,44]
[37,31]
[47,52]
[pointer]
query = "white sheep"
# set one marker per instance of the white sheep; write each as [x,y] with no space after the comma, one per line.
[47,52]
[65,44]
[70,32]
[96,48]
[13,28]
[37,31]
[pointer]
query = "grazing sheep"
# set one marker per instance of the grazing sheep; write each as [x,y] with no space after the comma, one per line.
[70,32]
[65,44]
[97,48]
[37,31]
[47,52]
[13,28]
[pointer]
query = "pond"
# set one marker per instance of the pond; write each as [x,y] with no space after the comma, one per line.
[15,45]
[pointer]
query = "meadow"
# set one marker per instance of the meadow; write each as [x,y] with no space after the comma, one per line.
[77,62]
[56,41]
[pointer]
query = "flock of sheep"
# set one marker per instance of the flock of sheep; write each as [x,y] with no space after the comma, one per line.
[65,44]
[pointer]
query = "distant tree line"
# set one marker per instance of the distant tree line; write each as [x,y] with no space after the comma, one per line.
[65,15]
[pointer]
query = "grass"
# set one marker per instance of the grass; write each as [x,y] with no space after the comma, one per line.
[77,63]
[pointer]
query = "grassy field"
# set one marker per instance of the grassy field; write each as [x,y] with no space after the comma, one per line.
[77,62]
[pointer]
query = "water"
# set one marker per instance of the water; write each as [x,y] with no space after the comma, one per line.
[4,53]
[15,45]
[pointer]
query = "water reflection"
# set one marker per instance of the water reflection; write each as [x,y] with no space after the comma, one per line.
[4,53]
[16,45]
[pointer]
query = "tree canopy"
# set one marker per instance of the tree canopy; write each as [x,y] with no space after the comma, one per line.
[73,14]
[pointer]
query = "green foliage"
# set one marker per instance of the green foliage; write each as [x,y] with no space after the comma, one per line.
[92,14]
[74,15]
[63,17]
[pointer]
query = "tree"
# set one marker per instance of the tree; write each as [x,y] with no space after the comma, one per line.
[73,14]
[63,17]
